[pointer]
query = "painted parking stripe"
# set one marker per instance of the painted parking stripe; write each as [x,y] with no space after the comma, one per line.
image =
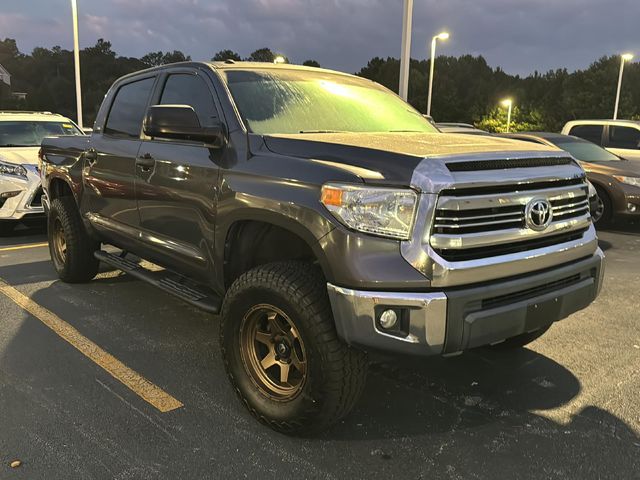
[142,387]
[23,247]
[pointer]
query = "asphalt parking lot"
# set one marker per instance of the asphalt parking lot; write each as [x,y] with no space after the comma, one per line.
[566,407]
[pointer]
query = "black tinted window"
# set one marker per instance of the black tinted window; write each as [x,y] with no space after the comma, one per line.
[624,137]
[186,89]
[129,107]
[593,133]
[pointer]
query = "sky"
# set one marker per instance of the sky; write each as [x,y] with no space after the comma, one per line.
[520,36]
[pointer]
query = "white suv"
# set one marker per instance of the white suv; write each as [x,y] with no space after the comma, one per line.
[20,137]
[621,137]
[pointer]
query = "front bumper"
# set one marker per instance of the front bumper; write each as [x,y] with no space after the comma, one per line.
[453,320]
[27,202]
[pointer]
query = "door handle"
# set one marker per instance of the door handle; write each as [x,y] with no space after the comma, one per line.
[91,155]
[145,162]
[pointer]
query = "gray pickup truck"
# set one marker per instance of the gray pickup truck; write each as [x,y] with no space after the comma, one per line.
[323,218]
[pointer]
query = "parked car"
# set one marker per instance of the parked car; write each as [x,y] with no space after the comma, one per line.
[449,127]
[616,180]
[20,137]
[323,217]
[621,137]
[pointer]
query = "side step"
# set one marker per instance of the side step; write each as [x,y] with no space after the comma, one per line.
[172,283]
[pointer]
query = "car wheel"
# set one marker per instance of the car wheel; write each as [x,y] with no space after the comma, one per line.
[282,353]
[604,211]
[6,227]
[520,341]
[70,247]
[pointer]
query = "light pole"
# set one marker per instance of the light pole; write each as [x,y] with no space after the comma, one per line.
[623,58]
[440,36]
[507,102]
[76,58]
[405,54]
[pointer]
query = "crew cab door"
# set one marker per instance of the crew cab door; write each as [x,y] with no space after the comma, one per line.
[176,186]
[110,164]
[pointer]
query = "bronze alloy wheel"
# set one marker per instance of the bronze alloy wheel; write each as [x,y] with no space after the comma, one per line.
[59,242]
[273,353]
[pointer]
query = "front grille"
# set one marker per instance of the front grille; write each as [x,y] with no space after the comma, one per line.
[536,291]
[36,201]
[470,224]
[472,166]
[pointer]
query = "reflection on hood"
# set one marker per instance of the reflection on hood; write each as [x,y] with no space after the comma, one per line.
[19,155]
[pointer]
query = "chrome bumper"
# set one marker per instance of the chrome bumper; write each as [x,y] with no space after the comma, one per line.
[450,321]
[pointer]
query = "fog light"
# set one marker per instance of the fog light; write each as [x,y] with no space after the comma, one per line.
[631,207]
[9,194]
[388,319]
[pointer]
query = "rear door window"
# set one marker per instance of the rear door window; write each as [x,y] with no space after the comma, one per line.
[624,137]
[128,108]
[192,90]
[592,133]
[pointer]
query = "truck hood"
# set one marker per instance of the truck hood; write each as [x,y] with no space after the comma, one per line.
[391,156]
[19,155]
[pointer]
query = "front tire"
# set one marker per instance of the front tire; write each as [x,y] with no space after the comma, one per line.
[282,353]
[604,210]
[70,247]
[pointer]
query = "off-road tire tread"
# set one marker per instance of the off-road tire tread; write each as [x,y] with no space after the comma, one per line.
[344,367]
[81,265]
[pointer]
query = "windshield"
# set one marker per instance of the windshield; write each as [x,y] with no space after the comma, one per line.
[586,151]
[31,133]
[290,101]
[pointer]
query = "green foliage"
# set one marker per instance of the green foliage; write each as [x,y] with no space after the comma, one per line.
[262,55]
[311,63]
[496,121]
[223,55]
[465,89]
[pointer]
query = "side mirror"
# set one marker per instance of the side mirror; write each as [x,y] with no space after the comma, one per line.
[180,122]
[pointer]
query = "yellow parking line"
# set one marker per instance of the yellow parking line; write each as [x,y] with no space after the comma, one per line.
[136,382]
[22,247]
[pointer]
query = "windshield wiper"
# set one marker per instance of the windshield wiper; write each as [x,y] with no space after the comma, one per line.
[321,131]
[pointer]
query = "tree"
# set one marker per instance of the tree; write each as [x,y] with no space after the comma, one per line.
[223,55]
[496,121]
[311,63]
[262,55]
[154,59]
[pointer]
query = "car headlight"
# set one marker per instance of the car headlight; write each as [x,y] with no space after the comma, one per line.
[388,212]
[635,181]
[12,169]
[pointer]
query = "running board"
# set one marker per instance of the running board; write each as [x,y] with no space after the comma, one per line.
[169,282]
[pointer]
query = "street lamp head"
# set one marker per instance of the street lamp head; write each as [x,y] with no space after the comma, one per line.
[627,56]
[442,35]
[279,59]
[506,102]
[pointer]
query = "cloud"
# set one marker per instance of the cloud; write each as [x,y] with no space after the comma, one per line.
[521,36]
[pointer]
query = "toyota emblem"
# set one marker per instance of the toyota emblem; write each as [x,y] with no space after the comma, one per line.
[538,214]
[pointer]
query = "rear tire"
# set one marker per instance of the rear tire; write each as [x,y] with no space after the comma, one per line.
[278,316]
[70,246]
[521,340]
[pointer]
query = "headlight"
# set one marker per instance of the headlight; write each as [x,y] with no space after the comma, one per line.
[388,212]
[12,169]
[635,181]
